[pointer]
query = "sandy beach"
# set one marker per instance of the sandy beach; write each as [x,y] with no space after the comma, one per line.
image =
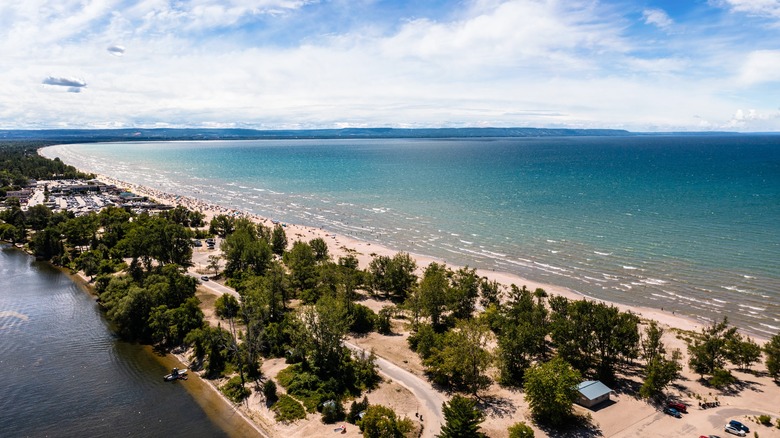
[627,416]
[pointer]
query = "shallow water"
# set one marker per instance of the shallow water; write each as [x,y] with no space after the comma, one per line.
[685,223]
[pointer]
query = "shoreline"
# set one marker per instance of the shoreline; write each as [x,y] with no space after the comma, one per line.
[339,245]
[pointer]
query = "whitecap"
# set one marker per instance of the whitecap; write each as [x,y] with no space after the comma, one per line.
[630,268]
[603,253]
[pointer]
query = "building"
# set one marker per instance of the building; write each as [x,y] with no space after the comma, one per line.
[592,392]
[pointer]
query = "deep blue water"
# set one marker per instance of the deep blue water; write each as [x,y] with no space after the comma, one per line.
[687,223]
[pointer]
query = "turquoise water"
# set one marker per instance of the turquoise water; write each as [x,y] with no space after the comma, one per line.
[685,223]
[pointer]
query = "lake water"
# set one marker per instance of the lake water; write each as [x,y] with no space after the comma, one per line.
[685,223]
[64,373]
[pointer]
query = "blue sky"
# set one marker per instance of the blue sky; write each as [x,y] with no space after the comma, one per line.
[654,65]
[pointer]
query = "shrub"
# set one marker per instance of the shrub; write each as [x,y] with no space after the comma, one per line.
[363,319]
[288,409]
[332,411]
[383,323]
[766,420]
[424,340]
[356,408]
[269,392]
[382,422]
[520,430]
[721,378]
[234,390]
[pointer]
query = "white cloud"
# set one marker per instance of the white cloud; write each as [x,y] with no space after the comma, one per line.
[657,17]
[769,8]
[760,66]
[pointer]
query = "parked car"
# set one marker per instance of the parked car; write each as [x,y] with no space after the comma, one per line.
[733,430]
[673,412]
[737,425]
[708,436]
[204,278]
[679,406]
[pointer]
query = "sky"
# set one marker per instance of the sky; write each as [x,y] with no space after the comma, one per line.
[643,65]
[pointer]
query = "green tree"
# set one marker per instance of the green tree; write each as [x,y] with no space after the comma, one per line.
[303,273]
[463,359]
[660,370]
[226,306]
[743,352]
[434,293]
[709,351]
[47,244]
[320,249]
[278,240]
[522,327]
[325,326]
[462,419]
[551,389]
[772,350]
[37,217]
[213,264]
[464,292]
[393,276]
[222,225]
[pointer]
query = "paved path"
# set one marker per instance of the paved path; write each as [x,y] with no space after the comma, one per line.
[430,400]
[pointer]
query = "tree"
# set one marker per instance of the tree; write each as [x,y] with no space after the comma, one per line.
[320,249]
[222,225]
[214,264]
[226,306]
[660,371]
[551,389]
[303,273]
[465,291]
[325,326]
[434,293]
[743,352]
[278,240]
[463,360]
[772,350]
[394,276]
[521,327]
[47,244]
[593,335]
[462,419]
[708,351]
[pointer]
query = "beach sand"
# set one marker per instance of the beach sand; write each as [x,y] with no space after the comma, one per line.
[628,416]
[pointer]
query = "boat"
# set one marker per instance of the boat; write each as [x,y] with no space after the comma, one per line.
[176,374]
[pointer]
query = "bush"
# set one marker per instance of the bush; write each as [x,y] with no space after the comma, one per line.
[766,420]
[363,319]
[520,430]
[424,340]
[332,411]
[722,378]
[355,409]
[383,323]
[269,392]
[382,422]
[288,409]
[234,390]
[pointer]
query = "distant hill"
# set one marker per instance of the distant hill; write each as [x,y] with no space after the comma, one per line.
[93,135]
